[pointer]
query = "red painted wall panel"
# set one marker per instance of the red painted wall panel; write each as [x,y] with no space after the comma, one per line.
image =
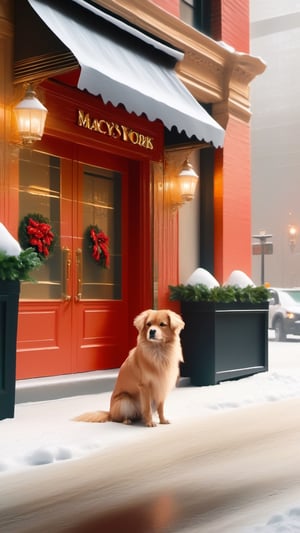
[171,6]
[234,24]
[232,192]
[233,203]
[216,27]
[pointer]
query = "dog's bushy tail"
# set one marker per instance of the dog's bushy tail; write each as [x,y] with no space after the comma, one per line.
[96,416]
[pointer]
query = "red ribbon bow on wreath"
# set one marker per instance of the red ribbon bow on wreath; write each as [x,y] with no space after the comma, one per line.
[100,244]
[40,236]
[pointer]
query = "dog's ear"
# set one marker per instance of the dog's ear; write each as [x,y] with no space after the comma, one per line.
[176,322]
[139,320]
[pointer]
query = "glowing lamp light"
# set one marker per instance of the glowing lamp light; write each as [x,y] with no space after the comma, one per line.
[292,237]
[187,182]
[31,117]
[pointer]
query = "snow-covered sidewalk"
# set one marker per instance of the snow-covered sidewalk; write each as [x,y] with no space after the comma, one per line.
[42,437]
[44,432]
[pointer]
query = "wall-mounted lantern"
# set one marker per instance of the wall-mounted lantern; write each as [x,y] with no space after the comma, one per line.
[31,116]
[187,181]
[180,178]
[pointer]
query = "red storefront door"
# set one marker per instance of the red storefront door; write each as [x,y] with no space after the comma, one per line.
[75,318]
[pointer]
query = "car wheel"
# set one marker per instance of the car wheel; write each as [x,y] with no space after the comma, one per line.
[280,335]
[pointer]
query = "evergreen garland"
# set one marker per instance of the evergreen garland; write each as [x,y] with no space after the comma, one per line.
[14,268]
[223,294]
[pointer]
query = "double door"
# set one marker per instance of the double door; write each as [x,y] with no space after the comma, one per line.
[75,316]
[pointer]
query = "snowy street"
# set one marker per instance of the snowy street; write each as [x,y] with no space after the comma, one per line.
[227,463]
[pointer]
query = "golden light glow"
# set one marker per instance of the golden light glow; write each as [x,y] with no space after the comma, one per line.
[180,178]
[31,117]
[188,180]
[292,236]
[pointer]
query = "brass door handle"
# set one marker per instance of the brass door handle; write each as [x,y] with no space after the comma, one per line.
[66,273]
[79,274]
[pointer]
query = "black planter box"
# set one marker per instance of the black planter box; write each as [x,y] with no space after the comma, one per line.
[223,341]
[9,304]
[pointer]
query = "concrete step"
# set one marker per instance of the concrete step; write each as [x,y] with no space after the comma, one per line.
[54,387]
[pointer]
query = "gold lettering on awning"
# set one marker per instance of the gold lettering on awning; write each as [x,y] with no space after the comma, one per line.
[114,130]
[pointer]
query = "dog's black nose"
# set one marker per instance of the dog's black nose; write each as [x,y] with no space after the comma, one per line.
[152,333]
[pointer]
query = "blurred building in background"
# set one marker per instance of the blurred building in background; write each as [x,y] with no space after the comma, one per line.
[275,129]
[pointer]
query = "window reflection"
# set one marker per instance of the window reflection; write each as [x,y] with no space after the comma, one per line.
[102,208]
[39,192]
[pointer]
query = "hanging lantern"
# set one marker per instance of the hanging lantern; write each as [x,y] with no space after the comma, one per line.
[187,181]
[31,116]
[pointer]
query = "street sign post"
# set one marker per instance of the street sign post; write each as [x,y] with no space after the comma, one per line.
[262,248]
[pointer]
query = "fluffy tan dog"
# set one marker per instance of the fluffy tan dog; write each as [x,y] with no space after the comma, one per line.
[149,372]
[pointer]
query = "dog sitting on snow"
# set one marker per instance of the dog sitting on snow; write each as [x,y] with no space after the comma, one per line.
[149,372]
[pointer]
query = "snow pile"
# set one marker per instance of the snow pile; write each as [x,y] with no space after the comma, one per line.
[236,278]
[8,244]
[260,388]
[240,279]
[279,523]
[201,275]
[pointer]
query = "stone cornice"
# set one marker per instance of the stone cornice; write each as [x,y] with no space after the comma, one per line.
[213,72]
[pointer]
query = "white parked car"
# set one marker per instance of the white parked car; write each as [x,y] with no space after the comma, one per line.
[284,312]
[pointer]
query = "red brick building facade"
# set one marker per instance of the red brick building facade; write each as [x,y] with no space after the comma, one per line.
[106,160]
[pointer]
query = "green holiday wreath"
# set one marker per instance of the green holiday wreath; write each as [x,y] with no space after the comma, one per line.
[35,231]
[98,244]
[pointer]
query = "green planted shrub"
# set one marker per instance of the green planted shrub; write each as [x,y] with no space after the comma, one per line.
[222,294]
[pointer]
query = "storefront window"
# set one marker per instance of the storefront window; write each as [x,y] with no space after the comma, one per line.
[75,197]
[102,208]
[39,193]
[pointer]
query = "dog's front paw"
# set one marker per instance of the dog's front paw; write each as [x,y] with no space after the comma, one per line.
[150,424]
[127,421]
[164,421]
